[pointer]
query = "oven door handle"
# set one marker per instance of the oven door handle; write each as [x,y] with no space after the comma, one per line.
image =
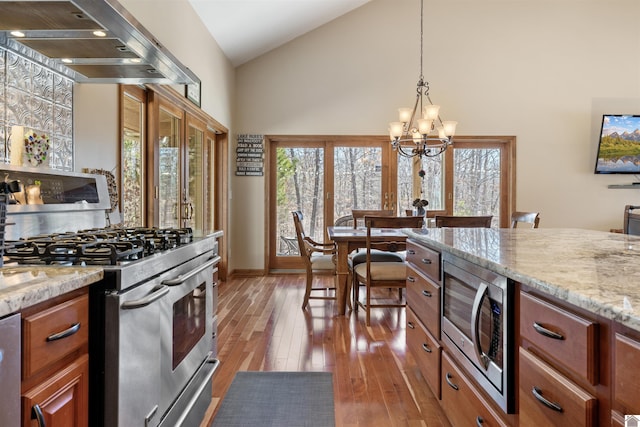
[137,303]
[482,291]
[184,277]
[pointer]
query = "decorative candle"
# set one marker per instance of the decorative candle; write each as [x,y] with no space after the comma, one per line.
[17,145]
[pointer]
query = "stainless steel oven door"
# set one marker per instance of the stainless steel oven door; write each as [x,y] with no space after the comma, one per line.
[186,320]
[133,355]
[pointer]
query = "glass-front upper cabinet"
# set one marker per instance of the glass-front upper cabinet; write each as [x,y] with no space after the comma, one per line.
[169,168]
[133,119]
[193,202]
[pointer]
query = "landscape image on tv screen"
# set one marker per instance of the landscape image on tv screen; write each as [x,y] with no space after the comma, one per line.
[619,146]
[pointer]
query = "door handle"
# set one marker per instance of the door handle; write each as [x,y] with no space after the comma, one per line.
[156,295]
[184,277]
[36,414]
[482,291]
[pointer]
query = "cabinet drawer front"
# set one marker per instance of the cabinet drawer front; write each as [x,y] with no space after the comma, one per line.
[423,296]
[426,351]
[54,333]
[547,398]
[566,337]
[425,260]
[462,402]
[626,374]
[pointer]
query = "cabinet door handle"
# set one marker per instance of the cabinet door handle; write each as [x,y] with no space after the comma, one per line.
[426,348]
[448,378]
[66,333]
[426,261]
[546,332]
[411,279]
[479,421]
[538,395]
[410,325]
[36,414]
[426,293]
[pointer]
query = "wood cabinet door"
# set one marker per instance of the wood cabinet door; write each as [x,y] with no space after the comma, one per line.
[626,374]
[547,398]
[61,400]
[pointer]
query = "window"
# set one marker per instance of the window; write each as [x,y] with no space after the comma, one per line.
[327,177]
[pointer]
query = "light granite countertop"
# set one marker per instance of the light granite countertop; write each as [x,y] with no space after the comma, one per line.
[24,286]
[594,270]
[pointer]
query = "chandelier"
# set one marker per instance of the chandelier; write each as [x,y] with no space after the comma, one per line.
[420,131]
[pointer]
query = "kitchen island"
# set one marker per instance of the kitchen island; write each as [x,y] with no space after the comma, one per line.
[571,313]
[593,270]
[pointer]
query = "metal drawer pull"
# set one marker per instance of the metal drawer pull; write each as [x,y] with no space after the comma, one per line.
[66,333]
[538,395]
[411,279]
[411,252]
[426,293]
[479,421]
[411,325]
[183,278]
[426,348]
[36,414]
[156,295]
[426,261]
[546,332]
[448,378]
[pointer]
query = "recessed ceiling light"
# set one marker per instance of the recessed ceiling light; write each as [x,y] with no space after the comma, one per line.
[17,33]
[67,60]
[135,60]
[99,33]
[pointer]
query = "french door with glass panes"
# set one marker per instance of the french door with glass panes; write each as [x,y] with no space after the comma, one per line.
[475,176]
[325,178]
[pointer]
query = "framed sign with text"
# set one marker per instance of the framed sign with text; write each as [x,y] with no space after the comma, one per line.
[193,92]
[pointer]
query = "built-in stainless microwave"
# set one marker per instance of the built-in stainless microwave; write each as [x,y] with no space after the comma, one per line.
[477,326]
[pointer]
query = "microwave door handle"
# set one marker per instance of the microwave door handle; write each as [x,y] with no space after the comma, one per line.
[475,324]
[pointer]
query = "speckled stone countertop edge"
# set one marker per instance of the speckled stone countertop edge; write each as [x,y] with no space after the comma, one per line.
[22,287]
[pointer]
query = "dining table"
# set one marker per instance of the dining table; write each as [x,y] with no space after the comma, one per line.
[347,240]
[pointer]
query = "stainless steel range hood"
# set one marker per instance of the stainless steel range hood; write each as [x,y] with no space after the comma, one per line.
[90,41]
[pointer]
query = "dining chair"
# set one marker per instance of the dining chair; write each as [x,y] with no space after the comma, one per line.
[318,258]
[463,221]
[382,274]
[631,220]
[359,214]
[344,221]
[532,218]
[358,256]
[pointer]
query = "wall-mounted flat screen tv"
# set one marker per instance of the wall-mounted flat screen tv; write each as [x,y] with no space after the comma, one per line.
[619,144]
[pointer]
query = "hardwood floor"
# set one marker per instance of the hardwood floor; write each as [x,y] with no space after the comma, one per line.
[376,381]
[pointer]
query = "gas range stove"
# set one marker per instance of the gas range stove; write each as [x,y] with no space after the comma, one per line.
[98,246]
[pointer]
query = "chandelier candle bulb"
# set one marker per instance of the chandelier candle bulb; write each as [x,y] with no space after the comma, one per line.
[431,112]
[396,129]
[425,126]
[405,114]
[449,127]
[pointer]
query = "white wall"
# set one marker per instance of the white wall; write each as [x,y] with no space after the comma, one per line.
[544,71]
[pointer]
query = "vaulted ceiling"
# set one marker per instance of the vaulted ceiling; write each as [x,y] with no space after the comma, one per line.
[245,29]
